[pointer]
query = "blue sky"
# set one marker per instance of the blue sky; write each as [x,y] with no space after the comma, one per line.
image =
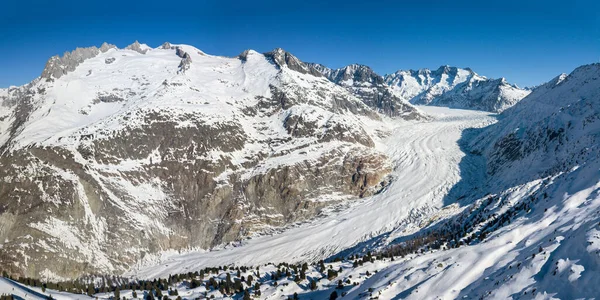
[528,42]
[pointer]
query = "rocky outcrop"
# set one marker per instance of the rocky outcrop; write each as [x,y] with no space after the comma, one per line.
[137,47]
[186,60]
[283,58]
[167,46]
[58,66]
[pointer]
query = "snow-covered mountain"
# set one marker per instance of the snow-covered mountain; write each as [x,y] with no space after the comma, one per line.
[370,87]
[113,154]
[454,87]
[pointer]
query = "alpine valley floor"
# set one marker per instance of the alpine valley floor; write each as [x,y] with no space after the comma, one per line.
[428,163]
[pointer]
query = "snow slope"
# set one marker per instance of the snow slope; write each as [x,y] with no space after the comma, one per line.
[20,291]
[425,158]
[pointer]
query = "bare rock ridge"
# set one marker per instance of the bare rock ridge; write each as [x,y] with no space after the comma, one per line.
[186,60]
[137,47]
[283,58]
[57,66]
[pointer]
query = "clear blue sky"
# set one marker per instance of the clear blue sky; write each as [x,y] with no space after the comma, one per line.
[528,43]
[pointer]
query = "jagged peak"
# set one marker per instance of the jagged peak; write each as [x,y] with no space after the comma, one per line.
[166,46]
[106,46]
[281,55]
[444,69]
[58,66]
[356,68]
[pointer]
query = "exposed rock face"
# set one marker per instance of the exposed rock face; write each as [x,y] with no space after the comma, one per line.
[58,66]
[157,160]
[285,59]
[137,47]
[106,46]
[166,46]
[454,87]
[186,60]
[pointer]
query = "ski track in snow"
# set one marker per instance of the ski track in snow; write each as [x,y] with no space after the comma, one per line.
[426,159]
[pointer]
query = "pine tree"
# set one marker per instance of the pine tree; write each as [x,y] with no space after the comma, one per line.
[257,289]
[313,285]
[246,295]
[90,290]
[117,293]
[333,295]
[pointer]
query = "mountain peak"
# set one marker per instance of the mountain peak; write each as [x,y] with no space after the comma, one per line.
[137,47]
[166,46]
[282,58]
[106,46]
